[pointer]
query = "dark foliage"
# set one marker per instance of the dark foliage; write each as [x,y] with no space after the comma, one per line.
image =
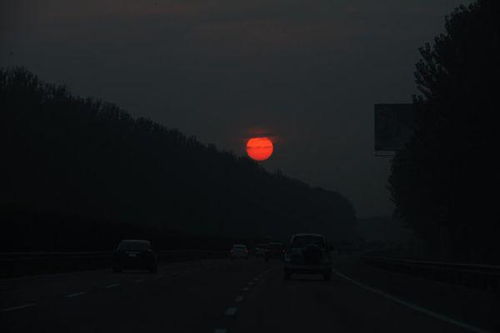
[26,230]
[444,183]
[91,160]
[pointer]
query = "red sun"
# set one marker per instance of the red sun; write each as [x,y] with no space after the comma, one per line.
[260,149]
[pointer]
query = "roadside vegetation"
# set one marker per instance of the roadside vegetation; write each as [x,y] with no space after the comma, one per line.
[80,170]
[445,181]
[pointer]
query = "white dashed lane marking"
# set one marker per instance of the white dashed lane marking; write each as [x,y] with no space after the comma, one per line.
[231,312]
[112,285]
[19,307]
[76,294]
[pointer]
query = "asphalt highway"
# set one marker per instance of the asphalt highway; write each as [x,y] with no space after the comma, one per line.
[209,296]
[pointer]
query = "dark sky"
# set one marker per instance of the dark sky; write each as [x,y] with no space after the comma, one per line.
[305,72]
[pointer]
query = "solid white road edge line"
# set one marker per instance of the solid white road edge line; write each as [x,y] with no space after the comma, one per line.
[112,285]
[413,306]
[19,307]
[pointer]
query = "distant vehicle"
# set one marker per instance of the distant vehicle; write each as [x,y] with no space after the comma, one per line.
[308,254]
[260,250]
[134,254]
[275,250]
[238,251]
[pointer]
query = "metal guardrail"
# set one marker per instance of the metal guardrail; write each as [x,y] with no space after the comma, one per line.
[26,263]
[471,275]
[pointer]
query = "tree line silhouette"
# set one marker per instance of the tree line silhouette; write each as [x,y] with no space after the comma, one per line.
[446,180]
[82,171]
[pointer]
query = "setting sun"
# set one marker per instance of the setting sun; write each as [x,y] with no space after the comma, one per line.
[260,149]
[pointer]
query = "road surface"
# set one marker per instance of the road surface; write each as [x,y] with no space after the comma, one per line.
[209,296]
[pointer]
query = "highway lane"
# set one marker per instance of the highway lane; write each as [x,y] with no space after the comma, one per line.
[16,291]
[309,304]
[187,297]
[203,296]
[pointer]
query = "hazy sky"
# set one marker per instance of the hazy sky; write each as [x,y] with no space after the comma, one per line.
[305,72]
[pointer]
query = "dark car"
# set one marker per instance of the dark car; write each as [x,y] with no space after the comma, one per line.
[308,254]
[134,254]
[274,250]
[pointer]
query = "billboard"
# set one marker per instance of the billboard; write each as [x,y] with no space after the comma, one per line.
[394,125]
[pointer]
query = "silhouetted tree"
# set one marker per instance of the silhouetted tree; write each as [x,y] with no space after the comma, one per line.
[85,160]
[444,181]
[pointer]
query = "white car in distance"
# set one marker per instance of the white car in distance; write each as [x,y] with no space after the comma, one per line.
[238,251]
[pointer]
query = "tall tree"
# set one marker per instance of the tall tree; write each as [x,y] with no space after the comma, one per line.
[445,177]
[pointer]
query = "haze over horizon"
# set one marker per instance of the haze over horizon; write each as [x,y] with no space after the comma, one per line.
[227,70]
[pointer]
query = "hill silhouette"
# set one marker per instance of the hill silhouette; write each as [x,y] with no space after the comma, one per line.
[75,168]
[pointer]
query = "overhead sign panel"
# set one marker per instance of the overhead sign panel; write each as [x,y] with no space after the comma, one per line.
[394,126]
